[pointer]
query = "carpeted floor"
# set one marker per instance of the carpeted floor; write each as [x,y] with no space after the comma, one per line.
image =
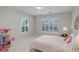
[22,44]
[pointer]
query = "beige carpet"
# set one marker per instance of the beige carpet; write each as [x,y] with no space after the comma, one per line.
[22,44]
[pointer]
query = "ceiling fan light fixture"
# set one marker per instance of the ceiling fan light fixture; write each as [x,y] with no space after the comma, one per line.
[39,7]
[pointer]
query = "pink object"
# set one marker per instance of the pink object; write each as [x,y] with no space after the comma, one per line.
[68,40]
[5,49]
[12,38]
[5,29]
[1,35]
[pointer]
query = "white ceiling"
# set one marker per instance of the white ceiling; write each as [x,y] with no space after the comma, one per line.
[32,10]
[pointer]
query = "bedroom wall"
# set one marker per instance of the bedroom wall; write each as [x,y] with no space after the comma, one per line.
[10,18]
[75,13]
[63,18]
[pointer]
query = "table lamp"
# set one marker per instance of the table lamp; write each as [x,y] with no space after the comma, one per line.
[65,31]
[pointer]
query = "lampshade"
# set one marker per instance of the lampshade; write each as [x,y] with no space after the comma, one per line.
[65,29]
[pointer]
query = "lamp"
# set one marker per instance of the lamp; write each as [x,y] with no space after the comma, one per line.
[65,31]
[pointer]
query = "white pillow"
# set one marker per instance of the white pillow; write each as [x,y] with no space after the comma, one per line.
[75,42]
[74,34]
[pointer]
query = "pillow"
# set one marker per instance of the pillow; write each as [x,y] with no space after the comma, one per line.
[69,39]
[75,42]
[74,34]
[66,38]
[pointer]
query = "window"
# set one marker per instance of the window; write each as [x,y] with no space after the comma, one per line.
[50,25]
[24,24]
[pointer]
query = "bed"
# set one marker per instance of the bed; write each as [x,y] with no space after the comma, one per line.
[49,43]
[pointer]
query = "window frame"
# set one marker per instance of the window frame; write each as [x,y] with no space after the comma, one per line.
[50,20]
[24,25]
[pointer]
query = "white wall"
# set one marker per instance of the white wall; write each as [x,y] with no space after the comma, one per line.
[10,18]
[75,13]
[63,18]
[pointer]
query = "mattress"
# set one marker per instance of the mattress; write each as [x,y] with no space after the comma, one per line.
[48,43]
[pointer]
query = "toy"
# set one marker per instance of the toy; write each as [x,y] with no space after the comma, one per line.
[5,39]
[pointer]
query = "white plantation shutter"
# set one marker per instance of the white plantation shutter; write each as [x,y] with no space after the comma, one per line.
[50,25]
[24,24]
